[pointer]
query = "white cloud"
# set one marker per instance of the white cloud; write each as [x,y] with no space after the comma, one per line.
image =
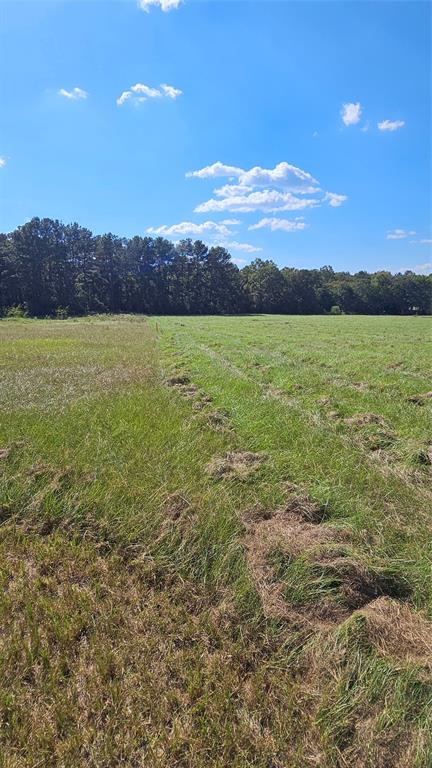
[399,234]
[282,175]
[217,169]
[391,125]
[420,269]
[233,245]
[170,91]
[140,92]
[335,200]
[75,93]
[215,233]
[273,223]
[351,113]
[228,190]
[268,200]
[190,228]
[2,162]
[426,241]
[239,262]
[286,188]
[164,5]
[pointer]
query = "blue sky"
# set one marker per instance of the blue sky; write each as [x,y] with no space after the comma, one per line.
[316,113]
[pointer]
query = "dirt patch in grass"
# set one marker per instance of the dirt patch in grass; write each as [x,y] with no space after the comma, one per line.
[219,421]
[276,392]
[373,431]
[176,506]
[399,632]
[424,455]
[420,399]
[362,419]
[302,506]
[183,384]
[238,465]
[4,453]
[188,389]
[177,381]
[201,403]
[360,386]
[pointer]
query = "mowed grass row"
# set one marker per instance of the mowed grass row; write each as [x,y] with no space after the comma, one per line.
[132,629]
[272,376]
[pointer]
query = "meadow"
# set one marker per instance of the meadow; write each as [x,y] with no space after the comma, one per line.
[215,542]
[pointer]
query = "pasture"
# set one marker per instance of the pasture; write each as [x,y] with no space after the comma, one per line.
[215,542]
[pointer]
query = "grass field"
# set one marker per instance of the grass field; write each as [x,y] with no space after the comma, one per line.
[216,542]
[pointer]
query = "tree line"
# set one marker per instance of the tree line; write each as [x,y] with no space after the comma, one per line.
[48,268]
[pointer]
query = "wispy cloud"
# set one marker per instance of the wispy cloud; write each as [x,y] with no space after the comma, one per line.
[217,169]
[399,234]
[273,223]
[391,125]
[267,200]
[140,92]
[426,241]
[335,200]
[233,245]
[213,232]
[190,228]
[2,162]
[239,262]
[75,94]
[351,113]
[420,269]
[164,5]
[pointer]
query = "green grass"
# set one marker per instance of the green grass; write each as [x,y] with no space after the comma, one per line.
[134,636]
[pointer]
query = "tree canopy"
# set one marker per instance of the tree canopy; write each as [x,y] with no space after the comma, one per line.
[49,268]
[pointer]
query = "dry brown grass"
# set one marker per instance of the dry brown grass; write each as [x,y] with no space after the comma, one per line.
[285,531]
[104,664]
[398,632]
[235,464]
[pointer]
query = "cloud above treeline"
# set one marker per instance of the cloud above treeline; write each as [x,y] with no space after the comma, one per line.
[213,232]
[273,223]
[282,188]
[190,228]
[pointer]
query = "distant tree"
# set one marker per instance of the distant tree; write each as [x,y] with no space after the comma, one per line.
[265,286]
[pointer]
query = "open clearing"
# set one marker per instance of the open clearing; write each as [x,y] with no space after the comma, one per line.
[216,542]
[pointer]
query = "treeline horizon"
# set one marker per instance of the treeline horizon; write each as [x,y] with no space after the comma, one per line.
[48,268]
